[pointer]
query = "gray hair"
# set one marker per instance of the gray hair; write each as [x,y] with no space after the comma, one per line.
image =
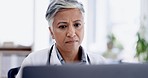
[56,5]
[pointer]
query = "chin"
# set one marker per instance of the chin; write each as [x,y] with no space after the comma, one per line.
[72,48]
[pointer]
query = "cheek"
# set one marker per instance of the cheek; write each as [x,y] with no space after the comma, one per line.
[81,34]
[82,31]
[59,36]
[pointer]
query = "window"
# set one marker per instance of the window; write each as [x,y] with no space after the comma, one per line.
[16,22]
[124,23]
[120,17]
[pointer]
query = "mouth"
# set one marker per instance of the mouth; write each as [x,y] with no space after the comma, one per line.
[71,41]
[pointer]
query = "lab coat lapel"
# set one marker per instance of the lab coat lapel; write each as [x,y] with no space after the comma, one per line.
[54,59]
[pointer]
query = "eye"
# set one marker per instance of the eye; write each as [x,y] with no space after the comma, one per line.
[62,26]
[77,25]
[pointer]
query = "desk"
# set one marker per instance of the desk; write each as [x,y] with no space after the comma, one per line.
[11,57]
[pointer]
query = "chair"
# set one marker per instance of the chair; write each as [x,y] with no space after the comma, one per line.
[12,72]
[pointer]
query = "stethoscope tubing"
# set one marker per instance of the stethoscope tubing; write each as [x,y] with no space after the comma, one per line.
[49,56]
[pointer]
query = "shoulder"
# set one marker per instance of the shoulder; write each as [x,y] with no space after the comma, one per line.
[39,53]
[36,58]
[96,58]
[39,56]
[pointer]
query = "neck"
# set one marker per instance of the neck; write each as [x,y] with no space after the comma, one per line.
[70,56]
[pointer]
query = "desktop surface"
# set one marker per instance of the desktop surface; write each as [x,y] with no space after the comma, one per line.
[87,71]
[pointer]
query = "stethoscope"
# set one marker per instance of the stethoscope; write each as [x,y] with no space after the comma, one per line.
[49,56]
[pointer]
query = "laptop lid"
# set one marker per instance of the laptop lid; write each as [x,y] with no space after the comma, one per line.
[87,71]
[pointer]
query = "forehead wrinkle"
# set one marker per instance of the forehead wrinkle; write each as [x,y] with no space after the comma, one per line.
[62,23]
[60,17]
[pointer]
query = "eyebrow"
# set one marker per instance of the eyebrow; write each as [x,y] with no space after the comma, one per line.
[62,23]
[66,22]
[77,21]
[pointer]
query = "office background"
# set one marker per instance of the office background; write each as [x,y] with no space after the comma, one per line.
[107,22]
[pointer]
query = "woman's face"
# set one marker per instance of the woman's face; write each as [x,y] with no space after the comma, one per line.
[68,29]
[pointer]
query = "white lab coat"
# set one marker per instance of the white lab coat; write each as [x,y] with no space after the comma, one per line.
[41,58]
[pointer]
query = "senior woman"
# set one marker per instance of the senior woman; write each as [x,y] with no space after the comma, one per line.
[66,25]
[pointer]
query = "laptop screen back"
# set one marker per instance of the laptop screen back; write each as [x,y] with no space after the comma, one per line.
[87,71]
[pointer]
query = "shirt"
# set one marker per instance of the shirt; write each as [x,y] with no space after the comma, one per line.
[81,55]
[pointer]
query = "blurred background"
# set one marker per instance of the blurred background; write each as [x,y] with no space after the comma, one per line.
[116,29]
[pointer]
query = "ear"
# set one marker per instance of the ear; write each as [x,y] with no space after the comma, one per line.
[51,32]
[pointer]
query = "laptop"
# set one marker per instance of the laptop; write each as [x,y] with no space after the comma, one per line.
[87,71]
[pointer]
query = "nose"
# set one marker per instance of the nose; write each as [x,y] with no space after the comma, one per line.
[71,32]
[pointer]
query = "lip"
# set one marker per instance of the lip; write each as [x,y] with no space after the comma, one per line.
[71,41]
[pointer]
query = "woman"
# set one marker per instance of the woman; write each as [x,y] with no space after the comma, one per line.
[66,25]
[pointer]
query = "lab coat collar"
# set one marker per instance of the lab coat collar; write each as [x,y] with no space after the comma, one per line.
[55,61]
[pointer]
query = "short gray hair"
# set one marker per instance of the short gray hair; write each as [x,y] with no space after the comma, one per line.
[56,5]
